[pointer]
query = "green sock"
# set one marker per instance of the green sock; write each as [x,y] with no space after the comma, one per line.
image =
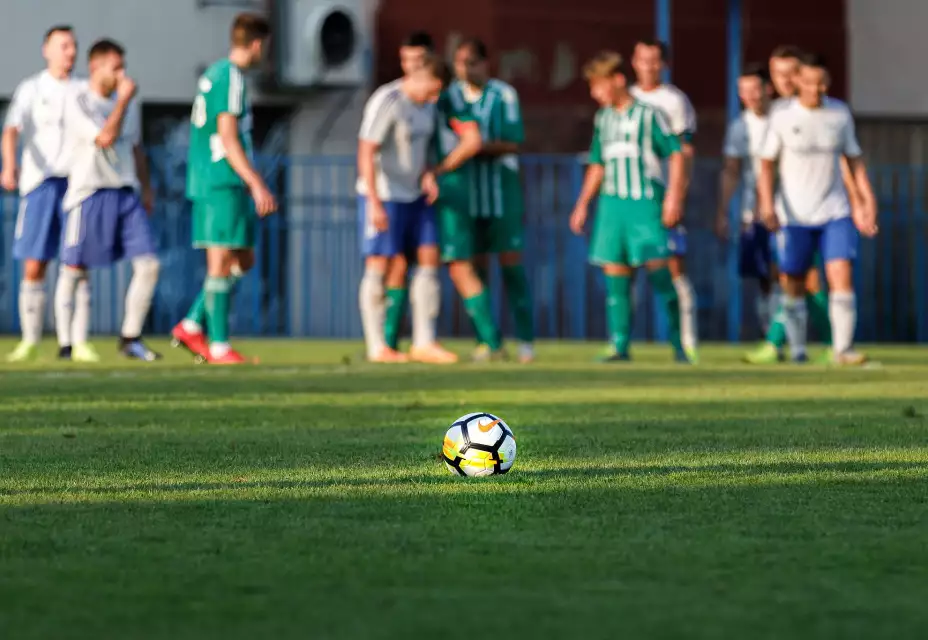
[817,304]
[393,319]
[520,301]
[484,274]
[619,311]
[776,334]
[662,282]
[197,311]
[481,314]
[218,294]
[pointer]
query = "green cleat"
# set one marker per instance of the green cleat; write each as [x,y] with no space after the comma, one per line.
[767,353]
[827,358]
[692,354]
[85,354]
[611,354]
[24,352]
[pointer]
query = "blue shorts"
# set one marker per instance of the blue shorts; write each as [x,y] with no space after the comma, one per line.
[676,240]
[107,227]
[797,246]
[755,253]
[411,225]
[38,223]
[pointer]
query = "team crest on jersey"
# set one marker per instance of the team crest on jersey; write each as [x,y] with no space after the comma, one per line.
[204,85]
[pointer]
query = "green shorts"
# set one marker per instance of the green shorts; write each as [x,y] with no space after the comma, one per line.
[628,232]
[500,234]
[456,232]
[224,218]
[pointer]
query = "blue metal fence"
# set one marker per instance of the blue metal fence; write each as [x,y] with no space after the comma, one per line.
[308,268]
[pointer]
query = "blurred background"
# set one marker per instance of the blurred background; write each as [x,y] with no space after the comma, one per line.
[329,54]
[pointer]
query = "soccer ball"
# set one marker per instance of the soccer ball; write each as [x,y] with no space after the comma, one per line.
[479,444]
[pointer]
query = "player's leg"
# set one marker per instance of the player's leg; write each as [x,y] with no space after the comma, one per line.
[378,249]
[507,237]
[136,242]
[796,248]
[818,304]
[610,250]
[685,293]
[425,288]
[458,233]
[36,241]
[839,250]
[190,331]
[396,295]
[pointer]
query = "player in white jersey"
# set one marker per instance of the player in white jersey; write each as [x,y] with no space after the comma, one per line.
[105,218]
[743,141]
[648,61]
[35,121]
[810,208]
[396,190]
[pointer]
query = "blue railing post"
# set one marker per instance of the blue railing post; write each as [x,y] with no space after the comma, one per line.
[734,30]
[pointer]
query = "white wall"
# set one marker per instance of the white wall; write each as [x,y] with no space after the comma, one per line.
[888,56]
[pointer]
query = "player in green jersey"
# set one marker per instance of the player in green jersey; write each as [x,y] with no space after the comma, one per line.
[495,190]
[635,209]
[225,189]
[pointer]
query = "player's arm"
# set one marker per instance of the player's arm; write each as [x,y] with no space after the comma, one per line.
[9,143]
[685,131]
[865,211]
[469,145]
[112,127]
[592,183]
[512,132]
[770,153]
[667,145]
[734,151]
[377,122]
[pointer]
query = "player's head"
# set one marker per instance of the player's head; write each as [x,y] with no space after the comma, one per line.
[107,61]
[425,83]
[249,36]
[784,65]
[648,60]
[470,62]
[414,49]
[608,77]
[813,79]
[754,87]
[60,49]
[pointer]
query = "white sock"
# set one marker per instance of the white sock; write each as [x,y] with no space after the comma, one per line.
[68,277]
[766,309]
[687,297]
[191,326]
[31,310]
[842,311]
[795,319]
[373,307]
[219,349]
[139,295]
[80,325]
[425,302]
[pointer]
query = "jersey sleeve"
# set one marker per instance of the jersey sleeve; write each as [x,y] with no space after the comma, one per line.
[736,140]
[227,94]
[850,147]
[663,139]
[512,130]
[596,147]
[81,120]
[379,117]
[688,127]
[132,125]
[19,105]
[773,140]
[452,111]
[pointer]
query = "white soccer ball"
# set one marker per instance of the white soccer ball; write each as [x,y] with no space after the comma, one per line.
[479,444]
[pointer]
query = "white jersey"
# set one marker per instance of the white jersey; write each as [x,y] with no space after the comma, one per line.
[744,140]
[807,145]
[403,130]
[676,107]
[37,112]
[93,168]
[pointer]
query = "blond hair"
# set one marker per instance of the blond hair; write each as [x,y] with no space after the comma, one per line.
[604,65]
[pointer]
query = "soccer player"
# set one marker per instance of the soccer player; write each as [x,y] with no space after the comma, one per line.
[495,186]
[220,177]
[648,62]
[811,210]
[635,208]
[741,151]
[395,196]
[36,120]
[105,219]
[413,51]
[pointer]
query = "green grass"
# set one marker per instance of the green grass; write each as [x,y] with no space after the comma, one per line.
[304,498]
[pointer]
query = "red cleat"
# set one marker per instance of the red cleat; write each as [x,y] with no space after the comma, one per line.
[195,343]
[229,357]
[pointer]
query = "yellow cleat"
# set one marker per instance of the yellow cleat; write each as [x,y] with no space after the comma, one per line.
[24,352]
[84,354]
[432,354]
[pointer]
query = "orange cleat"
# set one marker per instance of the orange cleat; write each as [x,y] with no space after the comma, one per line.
[432,354]
[195,343]
[229,357]
[389,356]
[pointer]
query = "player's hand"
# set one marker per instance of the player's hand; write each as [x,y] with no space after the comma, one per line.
[865,221]
[265,204]
[377,216]
[672,214]
[578,219]
[9,179]
[148,199]
[125,88]
[429,186]
[721,226]
[769,218]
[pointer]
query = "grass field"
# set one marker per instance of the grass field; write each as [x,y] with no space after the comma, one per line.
[304,498]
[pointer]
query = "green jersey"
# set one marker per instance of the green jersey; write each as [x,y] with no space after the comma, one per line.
[496,188]
[454,184]
[630,145]
[221,89]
